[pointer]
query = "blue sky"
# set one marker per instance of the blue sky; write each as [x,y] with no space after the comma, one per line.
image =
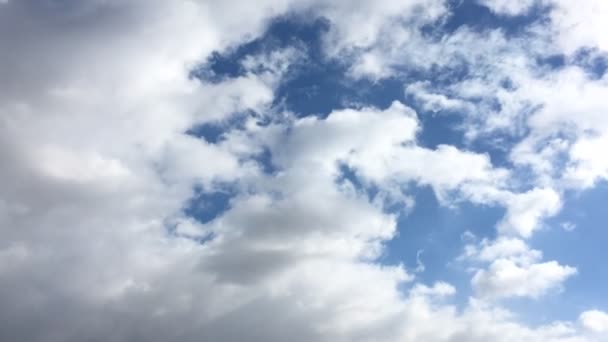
[304,170]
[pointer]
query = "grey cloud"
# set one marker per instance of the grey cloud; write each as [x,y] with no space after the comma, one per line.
[94,104]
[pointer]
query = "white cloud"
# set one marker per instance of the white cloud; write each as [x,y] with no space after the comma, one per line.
[588,163]
[581,25]
[556,133]
[440,289]
[368,133]
[514,270]
[503,247]
[525,211]
[432,102]
[506,91]
[595,321]
[506,7]
[507,278]
[360,24]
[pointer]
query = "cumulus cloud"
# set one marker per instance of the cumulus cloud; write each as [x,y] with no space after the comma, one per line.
[506,91]
[506,7]
[503,247]
[514,270]
[99,165]
[595,320]
[526,210]
[580,26]
[360,25]
[505,278]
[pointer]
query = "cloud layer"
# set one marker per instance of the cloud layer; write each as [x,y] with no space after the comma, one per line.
[98,104]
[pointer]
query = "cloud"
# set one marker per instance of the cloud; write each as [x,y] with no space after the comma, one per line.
[580,26]
[514,270]
[503,247]
[595,320]
[98,167]
[506,7]
[432,102]
[361,25]
[494,81]
[526,210]
[505,278]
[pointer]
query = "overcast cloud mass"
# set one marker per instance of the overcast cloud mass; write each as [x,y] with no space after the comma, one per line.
[303,170]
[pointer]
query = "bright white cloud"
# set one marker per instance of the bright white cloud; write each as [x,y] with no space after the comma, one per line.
[595,320]
[503,247]
[361,24]
[525,211]
[506,7]
[506,278]
[514,270]
[580,26]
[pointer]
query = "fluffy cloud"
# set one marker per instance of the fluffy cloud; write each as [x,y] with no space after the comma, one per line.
[556,134]
[360,24]
[580,26]
[515,270]
[98,169]
[595,320]
[506,7]
[505,278]
[506,90]
[503,247]
[526,210]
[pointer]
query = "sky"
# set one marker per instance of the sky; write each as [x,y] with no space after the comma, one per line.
[303,170]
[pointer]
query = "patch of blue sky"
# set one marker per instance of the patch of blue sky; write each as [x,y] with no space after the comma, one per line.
[347,174]
[594,62]
[214,132]
[552,62]
[431,235]
[471,14]
[440,232]
[205,206]
[264,160]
